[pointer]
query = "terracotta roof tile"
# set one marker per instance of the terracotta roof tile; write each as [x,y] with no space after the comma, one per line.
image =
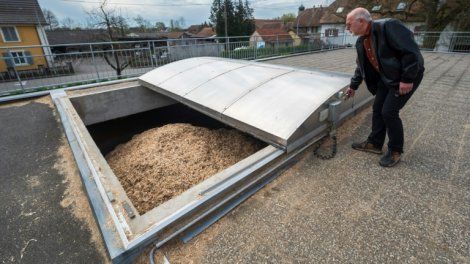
[414,13]
[206,32]
[310,17]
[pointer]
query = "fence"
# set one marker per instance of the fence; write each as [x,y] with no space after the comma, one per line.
[35,68]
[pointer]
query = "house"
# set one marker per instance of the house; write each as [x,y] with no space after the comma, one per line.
[332,22]
[270,38]
[308,20]
[22,24]
[410,12]
[207,34]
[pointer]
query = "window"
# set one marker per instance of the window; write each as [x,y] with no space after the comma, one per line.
[401,6]
[340,9]
[19,58]
[376,8]
[10,34]
[331,32]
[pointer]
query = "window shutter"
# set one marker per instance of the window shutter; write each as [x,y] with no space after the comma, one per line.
[28,57]
[8,59]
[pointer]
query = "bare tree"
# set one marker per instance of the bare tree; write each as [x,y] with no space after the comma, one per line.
[182,22]
[107,18]
[142,23]
[160,26]
[51,19]
[440,13]
[122,24]
[68,23]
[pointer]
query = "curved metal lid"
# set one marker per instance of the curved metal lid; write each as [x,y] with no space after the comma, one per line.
[274,103]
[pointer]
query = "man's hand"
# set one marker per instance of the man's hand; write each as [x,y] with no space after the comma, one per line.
[405,88]
[350,92]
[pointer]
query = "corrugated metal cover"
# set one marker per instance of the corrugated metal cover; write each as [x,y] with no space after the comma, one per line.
[274,103]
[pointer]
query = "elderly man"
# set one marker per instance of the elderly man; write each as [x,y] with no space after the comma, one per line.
[390,63]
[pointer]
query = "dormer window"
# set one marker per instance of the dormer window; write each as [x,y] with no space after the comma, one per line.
[339,10]
[376,8]
[401,6]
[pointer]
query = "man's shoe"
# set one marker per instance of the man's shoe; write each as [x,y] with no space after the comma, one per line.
[367,147]
[390,159]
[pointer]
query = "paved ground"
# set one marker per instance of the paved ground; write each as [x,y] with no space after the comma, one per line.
[44,214]
[347,209]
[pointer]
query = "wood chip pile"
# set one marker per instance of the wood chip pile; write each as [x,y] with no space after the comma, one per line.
[163,162]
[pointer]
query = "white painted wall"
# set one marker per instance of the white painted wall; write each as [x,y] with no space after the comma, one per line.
[256,40]
[339,27]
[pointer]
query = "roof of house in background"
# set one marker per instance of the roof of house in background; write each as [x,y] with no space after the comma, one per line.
[175,34]
[206,32]
[413,11]
[69,36]
[336,12]
[260,23]
[17,12]
[274,34]
[194,29]
[310,17]
[274,24]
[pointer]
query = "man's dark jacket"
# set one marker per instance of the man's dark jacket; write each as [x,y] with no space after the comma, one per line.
[397,53]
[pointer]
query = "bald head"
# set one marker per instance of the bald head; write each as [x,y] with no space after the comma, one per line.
[360,13]
[358,20]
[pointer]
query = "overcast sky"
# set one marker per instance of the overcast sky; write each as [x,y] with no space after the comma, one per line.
[193,11]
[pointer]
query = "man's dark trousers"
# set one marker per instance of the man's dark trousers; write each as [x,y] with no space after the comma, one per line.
[385,115]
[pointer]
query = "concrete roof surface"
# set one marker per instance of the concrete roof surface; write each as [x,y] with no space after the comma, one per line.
[347,209]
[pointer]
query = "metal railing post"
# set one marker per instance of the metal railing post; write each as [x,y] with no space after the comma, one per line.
[154,54]
[14,70]
[94,62]
[256,47]
[277,44]
[18,77]
[293,48]
[150,53]
[113,56]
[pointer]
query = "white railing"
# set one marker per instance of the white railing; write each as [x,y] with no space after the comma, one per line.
[34,68]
